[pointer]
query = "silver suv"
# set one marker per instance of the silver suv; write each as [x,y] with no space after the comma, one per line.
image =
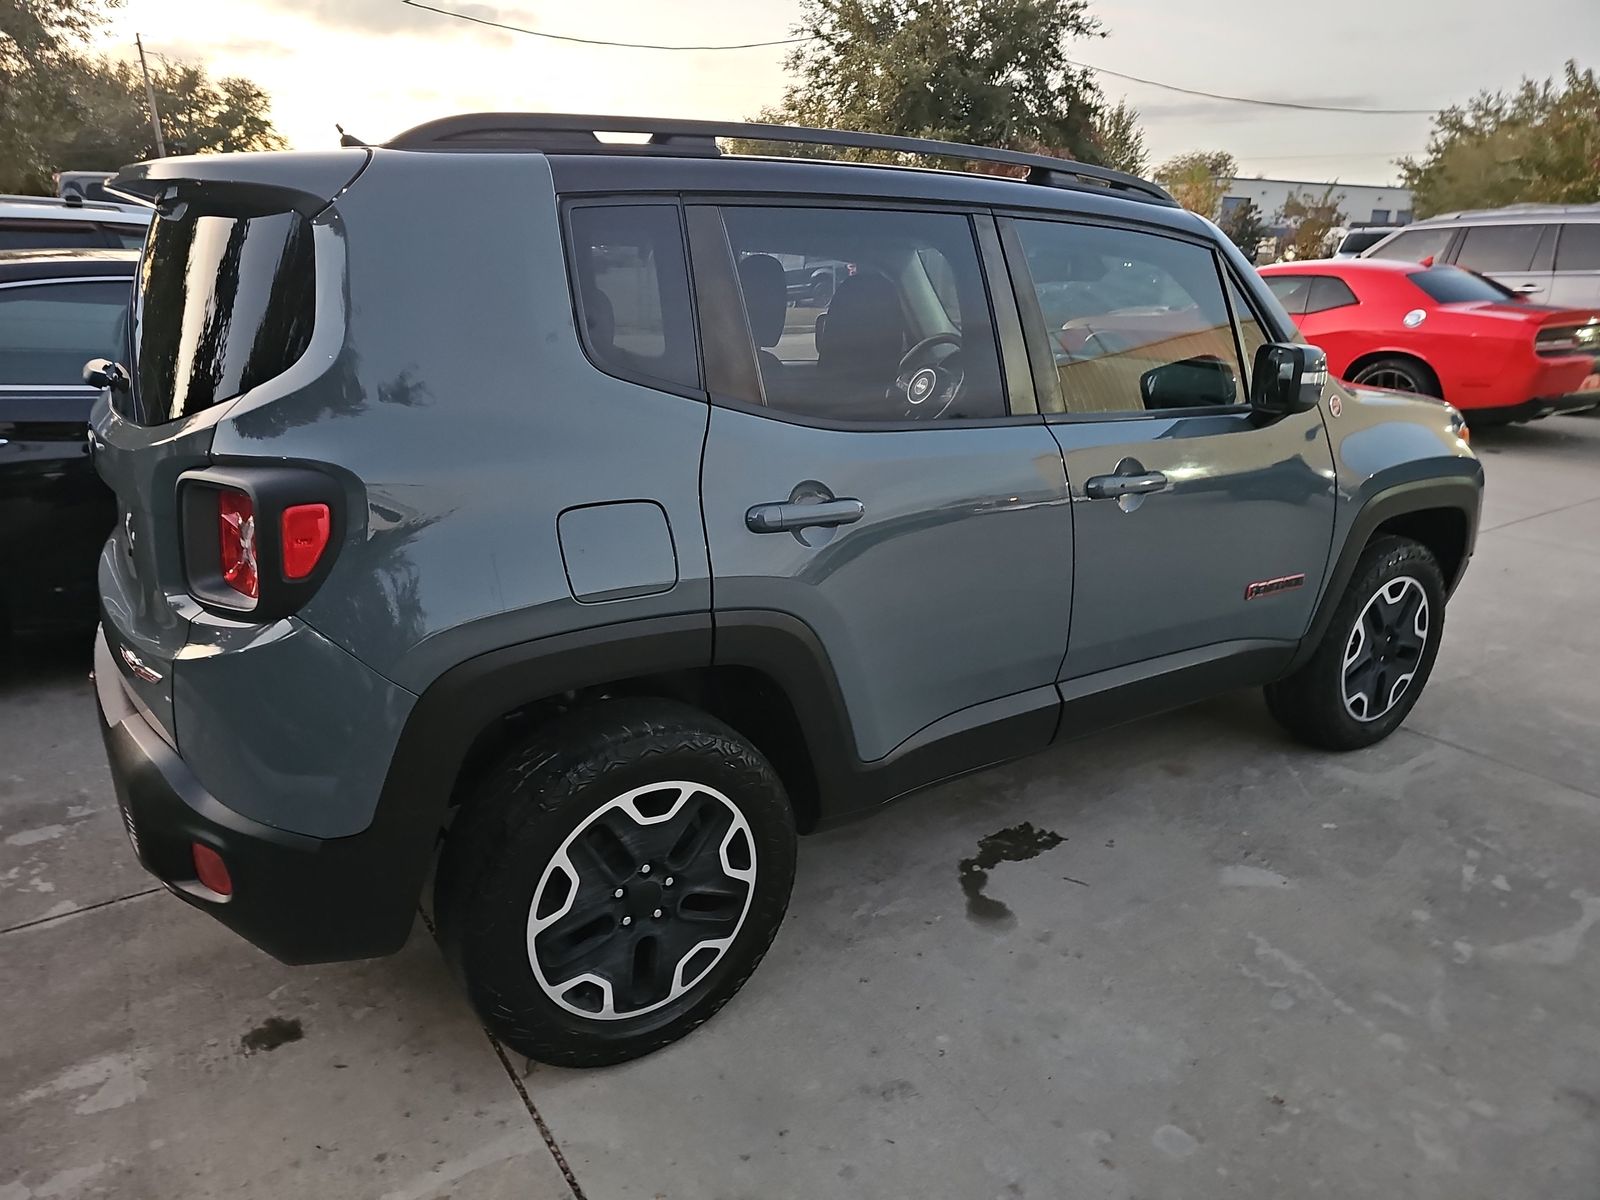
[1549,253]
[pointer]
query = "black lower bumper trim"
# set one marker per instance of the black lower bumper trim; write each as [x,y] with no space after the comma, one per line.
[1531,410]
[301,899]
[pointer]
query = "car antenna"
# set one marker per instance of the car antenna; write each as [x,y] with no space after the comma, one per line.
[347,139]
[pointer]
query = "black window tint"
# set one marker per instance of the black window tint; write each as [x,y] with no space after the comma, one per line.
[223,304]
[49,330]
[1414,245]
[838,298]
[1451,285]
[1579,249]
[1328,292]
[633,291]
[1292,291]
[48,235]
[125,237]
[1119,305]
[1499,247]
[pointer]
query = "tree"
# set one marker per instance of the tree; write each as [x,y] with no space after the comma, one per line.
[989,72]
[1120,138]
[1310,221]
[1541,143]
[1198,180]
[1244,227]
[62,110]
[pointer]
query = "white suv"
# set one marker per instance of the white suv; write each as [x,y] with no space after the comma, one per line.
[1549,253]
[49,223]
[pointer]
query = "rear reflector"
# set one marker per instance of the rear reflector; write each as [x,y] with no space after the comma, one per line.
[211,871]
[305,536]
[236,527]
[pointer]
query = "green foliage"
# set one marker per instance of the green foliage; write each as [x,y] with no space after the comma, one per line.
[1310,220]
[1244,227]
[1541,143]
[989,72]
[1120,138]
[63,110]
[1198,180]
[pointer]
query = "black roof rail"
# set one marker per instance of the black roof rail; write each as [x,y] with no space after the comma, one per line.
[564,133]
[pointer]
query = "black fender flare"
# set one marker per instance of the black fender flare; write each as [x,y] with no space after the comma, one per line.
[1463,493]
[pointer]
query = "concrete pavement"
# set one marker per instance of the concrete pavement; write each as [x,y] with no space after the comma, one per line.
[1245,969]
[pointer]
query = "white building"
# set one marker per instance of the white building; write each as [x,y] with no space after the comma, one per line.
[1361,204]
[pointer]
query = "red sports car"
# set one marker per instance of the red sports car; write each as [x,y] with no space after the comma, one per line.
[1445,332]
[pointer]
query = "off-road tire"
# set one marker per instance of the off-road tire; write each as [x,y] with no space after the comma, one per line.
[1311,703]
[508,832]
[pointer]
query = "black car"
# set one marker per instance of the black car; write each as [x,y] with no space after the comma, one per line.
[57,309]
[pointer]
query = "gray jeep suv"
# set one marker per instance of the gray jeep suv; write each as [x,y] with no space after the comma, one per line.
[554,553]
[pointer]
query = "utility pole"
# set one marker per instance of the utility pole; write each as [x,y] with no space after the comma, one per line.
[150,95]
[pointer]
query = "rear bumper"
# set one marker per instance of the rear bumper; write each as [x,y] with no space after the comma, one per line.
[1531,410]
[301,899]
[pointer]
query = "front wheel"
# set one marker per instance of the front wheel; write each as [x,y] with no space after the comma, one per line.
[1370,667]
[615,881]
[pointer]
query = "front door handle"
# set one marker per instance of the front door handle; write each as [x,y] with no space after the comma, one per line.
[1111,487]
[780,518]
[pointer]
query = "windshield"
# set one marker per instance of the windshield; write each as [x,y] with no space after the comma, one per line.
[1452,285]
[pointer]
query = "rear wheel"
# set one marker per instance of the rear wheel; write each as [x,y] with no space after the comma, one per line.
[1376,655]
[615,881]
[1399,374]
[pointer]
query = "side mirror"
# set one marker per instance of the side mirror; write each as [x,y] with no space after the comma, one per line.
[1189,383]
[1288,378]
[103,373]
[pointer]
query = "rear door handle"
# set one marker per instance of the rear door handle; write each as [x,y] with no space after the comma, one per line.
[1109,487]
[778,518]
[1527,289]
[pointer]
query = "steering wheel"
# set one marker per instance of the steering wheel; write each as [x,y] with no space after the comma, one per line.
[927,386]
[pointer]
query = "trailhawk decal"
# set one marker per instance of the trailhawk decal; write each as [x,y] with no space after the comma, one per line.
[1269,587]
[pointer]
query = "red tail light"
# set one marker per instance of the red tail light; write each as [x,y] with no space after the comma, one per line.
[236,526]
[305,536]
[210,870]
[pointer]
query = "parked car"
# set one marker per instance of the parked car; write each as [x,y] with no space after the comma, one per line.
[1357,240]
[1441,331]
[58,309]
[46,223]
[499,546]
[1547,253]
[84,185]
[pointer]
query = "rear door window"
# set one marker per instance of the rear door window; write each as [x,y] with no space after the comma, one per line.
[222,305]
[1414,245]
[632,287]
[49,330]
[49,235]
[1491,248]
[1579,249]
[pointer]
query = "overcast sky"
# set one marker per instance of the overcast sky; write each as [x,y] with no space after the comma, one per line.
[378,67]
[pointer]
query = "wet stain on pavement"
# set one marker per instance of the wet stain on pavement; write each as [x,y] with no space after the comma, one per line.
[272,1033]
[1015,844]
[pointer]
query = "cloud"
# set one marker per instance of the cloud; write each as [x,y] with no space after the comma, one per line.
[391,16]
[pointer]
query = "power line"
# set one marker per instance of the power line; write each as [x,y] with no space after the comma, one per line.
[583,41]
[794,41]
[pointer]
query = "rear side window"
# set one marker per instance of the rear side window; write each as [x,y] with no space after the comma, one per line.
[49,330]
[1579,249]
[1327,293]
[222,305]
[1451,285]
[48,235]
[1414,245]
[632,285]
[1499,247]
[125,237]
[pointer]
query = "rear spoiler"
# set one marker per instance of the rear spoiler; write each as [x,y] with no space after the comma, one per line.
[305,181]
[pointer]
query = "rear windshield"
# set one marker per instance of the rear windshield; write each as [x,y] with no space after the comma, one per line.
[1452,285]
[222,304]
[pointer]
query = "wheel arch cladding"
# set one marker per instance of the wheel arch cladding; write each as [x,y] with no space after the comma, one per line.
[1441,513]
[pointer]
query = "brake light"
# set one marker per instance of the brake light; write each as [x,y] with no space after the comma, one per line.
[305,536]
[236,527]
